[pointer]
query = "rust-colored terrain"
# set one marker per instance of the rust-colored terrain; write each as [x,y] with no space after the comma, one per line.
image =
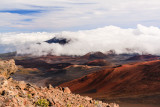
[138,82]
[144,57]
[131,80]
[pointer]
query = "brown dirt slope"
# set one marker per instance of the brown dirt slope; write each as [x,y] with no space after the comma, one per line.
[141,78]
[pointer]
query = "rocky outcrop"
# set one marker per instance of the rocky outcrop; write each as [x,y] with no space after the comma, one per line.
[7,67]
[20,94]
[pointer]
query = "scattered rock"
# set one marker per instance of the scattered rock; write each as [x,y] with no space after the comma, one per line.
[88,98]
[50,86]
[22,84]
[66,90]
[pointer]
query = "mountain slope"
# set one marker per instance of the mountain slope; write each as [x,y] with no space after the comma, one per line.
[126,81]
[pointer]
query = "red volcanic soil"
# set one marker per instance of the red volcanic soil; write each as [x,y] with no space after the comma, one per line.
[98,62]
[144,57]
[40,64]
[129,80]
[95,55]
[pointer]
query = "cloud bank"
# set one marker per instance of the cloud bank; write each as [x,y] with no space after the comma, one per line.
[140,40]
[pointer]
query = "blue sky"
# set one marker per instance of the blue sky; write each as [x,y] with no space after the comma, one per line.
[21,11]
[73,15]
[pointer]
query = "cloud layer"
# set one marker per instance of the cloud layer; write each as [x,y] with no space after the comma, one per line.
[141,40]
[58,15]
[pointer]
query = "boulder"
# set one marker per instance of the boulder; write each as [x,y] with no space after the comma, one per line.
[66,90]
[22,84]
[7,67]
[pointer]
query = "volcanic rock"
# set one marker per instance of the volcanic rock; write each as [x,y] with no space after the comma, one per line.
[7,67]
[66,90]
[34,96]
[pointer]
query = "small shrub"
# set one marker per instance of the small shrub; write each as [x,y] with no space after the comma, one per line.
[96,103]
[29,96]
[42,103]
[69,105]
[81,106]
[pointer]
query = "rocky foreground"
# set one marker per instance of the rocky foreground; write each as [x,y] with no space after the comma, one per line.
[20,94]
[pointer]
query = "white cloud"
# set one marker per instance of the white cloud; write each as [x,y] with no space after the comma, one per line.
[142,39]
[59,15]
